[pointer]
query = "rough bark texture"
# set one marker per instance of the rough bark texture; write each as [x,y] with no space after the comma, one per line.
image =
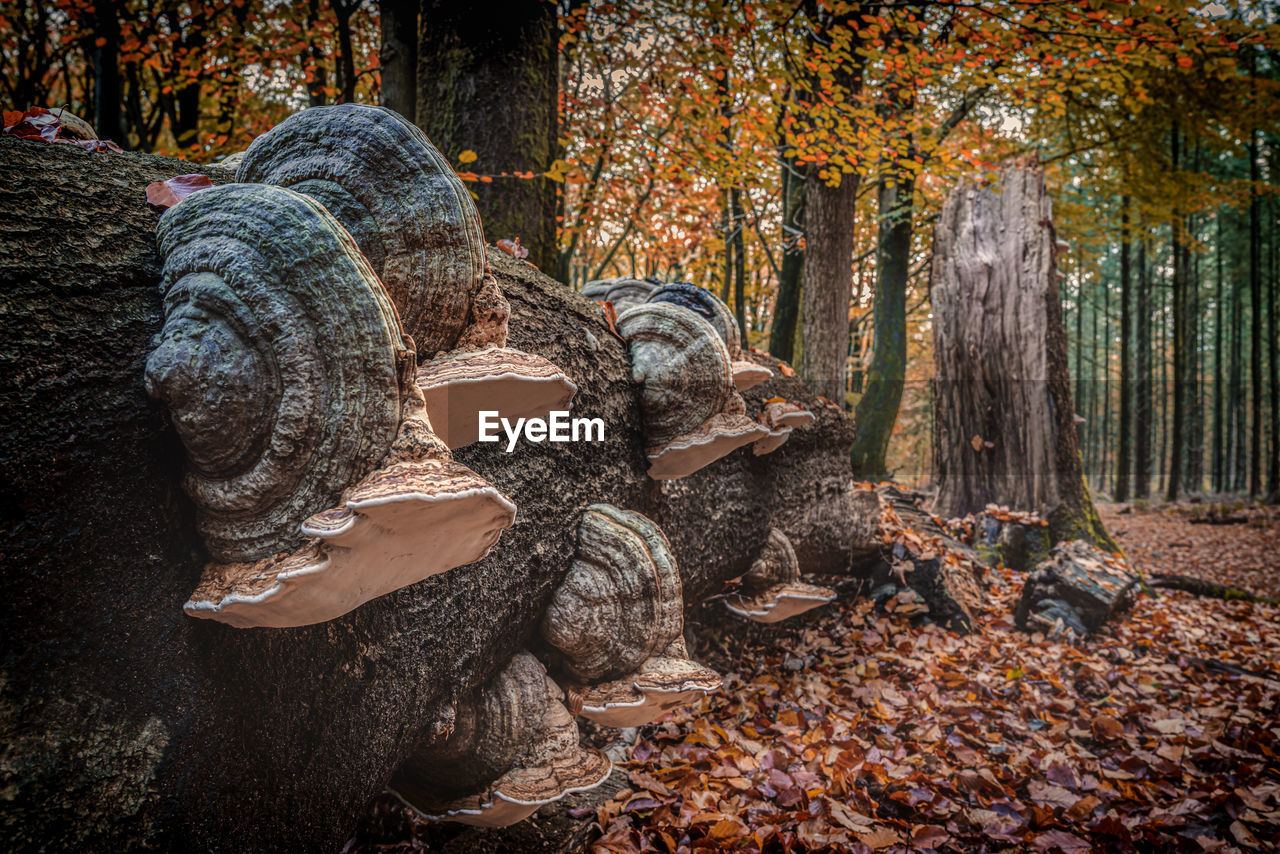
[946,575]
[488,82]
[1077,588]
[828,283]
[1004,433]
[127,724]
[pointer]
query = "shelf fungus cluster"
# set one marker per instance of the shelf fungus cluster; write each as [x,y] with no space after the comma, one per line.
[513,748]
[622,292]
[616,623]
[414,220]
[317,481]
[692,414]
[708,306]
[780,417]
[772,589]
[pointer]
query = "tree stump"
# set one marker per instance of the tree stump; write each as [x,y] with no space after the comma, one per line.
[1004,432]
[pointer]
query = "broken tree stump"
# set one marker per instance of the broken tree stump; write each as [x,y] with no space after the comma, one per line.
[1004,433]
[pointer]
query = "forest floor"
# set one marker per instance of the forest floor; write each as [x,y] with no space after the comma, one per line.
[857,730]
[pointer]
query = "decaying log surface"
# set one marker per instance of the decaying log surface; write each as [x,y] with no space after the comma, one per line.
[1004,433]
[1078,588]
[128,724]
[918,554]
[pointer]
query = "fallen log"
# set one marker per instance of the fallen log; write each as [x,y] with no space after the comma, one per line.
[1078,588]
[127,723]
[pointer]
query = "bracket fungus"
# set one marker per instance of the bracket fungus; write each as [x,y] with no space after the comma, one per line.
[290,384]
[780,417]
[622,292]
[616,622]
[773,590]
[513,748]
[413,218]
[712,309]
[692,414]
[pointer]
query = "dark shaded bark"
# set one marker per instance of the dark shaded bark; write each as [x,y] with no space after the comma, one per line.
[1255,321]
[130,725]
[1004,432]
[786,309]
[1180,349]
[108,91]
[1142,382]
[1218,468]
[1123,456]
[398,56]
[488,82]
[318,77]
[342,11]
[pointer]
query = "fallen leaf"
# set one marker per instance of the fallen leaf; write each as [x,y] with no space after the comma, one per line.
[166,194]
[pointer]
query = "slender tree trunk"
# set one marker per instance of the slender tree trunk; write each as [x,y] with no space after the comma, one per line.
[1142,384]
[1123,461]
[1164,357]
[1219,379]
[108,90]
[343,10]
[317,77]
[1255,321]
[878,406]
[1238,467]
[1004,430]
[739,265]
[488,82]
[726,230]
[1090,450]
[398,56]
[1179,344]
[1273,360]
[1081,427]
[1104,446]
[786,310]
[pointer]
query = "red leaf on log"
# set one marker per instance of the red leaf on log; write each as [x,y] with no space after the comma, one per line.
[166,194]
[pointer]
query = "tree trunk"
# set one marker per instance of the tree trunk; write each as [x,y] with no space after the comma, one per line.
[488,82]
[1177,238]
[1142,389]
[1123,461]
[1004,431]
[739,264]
[129,725]
[398,56]
[1255,320]
[1219,379]
[878,406]
[108,91]
[1273,362]
[828,283]
[786,309]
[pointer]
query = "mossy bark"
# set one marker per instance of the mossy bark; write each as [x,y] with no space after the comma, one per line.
[127,724]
